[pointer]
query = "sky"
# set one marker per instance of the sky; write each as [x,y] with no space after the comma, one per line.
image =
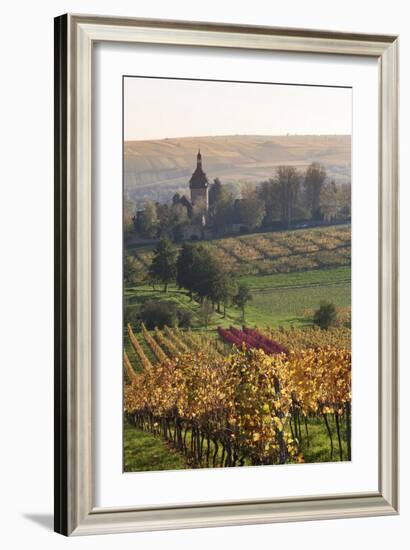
[156,108]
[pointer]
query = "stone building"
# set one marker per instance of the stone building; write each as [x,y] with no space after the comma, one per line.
[197,206]
[199,185]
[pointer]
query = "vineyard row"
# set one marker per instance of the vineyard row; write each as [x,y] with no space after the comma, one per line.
[245,407]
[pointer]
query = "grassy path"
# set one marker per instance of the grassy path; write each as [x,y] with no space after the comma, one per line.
[144,452]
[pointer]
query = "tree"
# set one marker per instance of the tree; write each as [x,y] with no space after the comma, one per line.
[251,211]
[269,193]
[211,280]
[221,286]
[242,297]
[185,267]
[326,315]
[345,200]
[148,221]
[205,270]
[128,220]
[188,266]
[205,313]
[202,274]
[184,317]
[195,266]
[288,181]
[223,211]
[131,315]
[164,223]
[179,214]
[178,219]
[132,275]
[329,201]
[215,192]
[158,314]
[230,290]
[314,181]
[164,264]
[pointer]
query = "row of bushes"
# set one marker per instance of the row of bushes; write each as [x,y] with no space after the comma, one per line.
[158,314]
[167,313]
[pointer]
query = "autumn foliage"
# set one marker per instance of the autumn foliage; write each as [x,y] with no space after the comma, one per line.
[241,408]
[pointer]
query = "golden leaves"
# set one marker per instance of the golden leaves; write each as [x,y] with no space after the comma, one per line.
[246,397]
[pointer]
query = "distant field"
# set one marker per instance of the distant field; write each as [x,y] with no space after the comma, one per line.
[288,305]
[159,168]
[315,277]
[276,252]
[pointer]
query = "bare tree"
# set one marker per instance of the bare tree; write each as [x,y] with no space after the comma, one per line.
[288,179]
[314,181]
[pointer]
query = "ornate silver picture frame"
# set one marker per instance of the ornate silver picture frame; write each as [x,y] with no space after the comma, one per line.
[75,37]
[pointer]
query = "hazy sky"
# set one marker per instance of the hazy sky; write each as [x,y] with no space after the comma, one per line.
[161,108]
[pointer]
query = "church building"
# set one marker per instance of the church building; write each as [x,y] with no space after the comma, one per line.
[199,185]
[197,205]
[199,201]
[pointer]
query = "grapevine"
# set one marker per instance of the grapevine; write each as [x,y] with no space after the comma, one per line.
[156,349]
[242,408]
[166,343]
[138,349]
[131,374]
[174,336]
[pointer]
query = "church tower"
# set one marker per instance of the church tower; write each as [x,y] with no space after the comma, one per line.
[198,184]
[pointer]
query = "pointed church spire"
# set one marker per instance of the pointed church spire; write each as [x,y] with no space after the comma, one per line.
[198,178]
[198,184]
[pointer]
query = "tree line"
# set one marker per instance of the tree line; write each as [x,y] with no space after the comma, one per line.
[195,269]
[289,196]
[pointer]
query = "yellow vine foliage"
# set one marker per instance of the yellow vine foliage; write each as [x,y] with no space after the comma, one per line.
[175,337]
[155,347]
[138,349]
[166,343]
[312,337]
[131,374]
[247,397]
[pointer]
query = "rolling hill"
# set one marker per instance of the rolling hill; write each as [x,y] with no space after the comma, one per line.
[158,168]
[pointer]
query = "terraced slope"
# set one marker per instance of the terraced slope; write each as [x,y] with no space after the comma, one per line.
[277,252]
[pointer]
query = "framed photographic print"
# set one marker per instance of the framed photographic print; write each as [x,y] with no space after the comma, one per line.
[226,275]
